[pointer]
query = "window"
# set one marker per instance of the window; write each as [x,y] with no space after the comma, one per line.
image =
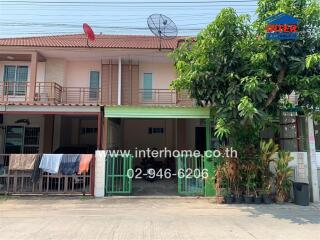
[16,78]
[21,139]
[155,130]
[94,85]
[147,86]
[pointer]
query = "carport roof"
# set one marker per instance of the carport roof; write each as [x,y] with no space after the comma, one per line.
[156,112]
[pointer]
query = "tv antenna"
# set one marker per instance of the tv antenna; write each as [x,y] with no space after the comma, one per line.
[162,27]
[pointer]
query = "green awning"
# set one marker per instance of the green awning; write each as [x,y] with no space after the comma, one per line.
[156,112]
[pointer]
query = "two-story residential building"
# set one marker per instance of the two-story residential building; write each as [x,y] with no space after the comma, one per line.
[59,94]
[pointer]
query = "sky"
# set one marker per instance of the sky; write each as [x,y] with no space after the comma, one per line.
[52,17]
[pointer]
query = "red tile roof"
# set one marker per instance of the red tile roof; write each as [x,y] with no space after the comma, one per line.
[102,41]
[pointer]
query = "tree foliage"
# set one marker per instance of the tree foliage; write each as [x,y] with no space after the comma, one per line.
[231,67]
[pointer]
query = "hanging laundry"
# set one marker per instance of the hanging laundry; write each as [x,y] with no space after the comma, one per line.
[50,163]
[85,160]
[23,162]
[69,164]
[35,176]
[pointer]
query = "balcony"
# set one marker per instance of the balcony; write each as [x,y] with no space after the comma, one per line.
[53,93]
[48,92]
[163,97]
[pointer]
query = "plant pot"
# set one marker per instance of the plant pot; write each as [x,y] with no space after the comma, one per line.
[248,199]
[219,199]
[266,199]
[280,199]
[238,199]
[228,199]
[258,200]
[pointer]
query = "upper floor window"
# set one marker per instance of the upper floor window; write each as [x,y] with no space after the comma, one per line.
[15,79]
[94,84]
[147,86]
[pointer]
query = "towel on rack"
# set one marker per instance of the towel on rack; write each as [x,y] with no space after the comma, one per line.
[69,164]
[24,162]
[84,165]
[50,163]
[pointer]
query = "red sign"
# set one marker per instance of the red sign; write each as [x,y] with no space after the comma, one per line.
[282,28]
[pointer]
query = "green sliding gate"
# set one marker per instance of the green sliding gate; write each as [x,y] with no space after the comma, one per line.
[117,179]
[191,173]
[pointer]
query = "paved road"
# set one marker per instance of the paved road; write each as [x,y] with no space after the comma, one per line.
[56,218]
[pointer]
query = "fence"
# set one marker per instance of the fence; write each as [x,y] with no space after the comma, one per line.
[20,182]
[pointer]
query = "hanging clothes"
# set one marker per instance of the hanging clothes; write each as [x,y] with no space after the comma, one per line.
[69,164]
[35,176]
[84,165]
[50,163]
[23,162]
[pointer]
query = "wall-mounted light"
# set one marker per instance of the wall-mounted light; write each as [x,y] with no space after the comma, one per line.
[10,58]
[25,121]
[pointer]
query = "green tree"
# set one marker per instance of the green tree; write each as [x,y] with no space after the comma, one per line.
[231,67]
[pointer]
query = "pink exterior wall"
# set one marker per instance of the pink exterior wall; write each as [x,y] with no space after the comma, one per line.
[77,73]
[162,73]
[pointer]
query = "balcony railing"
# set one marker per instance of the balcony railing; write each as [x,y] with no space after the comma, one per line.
[51,92]
[157,97]
[80,95]
[48,92]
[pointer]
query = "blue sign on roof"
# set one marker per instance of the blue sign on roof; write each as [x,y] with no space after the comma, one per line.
[282,18]
[282,27]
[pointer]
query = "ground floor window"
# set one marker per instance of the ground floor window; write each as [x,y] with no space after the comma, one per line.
[22,139]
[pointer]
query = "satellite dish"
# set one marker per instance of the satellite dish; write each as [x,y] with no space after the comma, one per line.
[162,27]
[89,33]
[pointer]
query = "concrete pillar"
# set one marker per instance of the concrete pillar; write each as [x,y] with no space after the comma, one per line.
[104,140]
[33,75]
[312,161]
[99,178]
[119,81]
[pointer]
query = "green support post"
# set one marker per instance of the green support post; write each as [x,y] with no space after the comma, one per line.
[210,190]
[208,134]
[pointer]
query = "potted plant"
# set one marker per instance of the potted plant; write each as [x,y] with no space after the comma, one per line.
[227,194]
[218,184]
[238,198]
[267,155]
[257,197]
[248,197]
[266,194]
[230,168]
[249,170]
[283,174]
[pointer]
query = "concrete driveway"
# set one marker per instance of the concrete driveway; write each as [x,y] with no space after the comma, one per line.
[180,218]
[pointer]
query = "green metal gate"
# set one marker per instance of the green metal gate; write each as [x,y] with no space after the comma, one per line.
[190,175]
[117,178]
